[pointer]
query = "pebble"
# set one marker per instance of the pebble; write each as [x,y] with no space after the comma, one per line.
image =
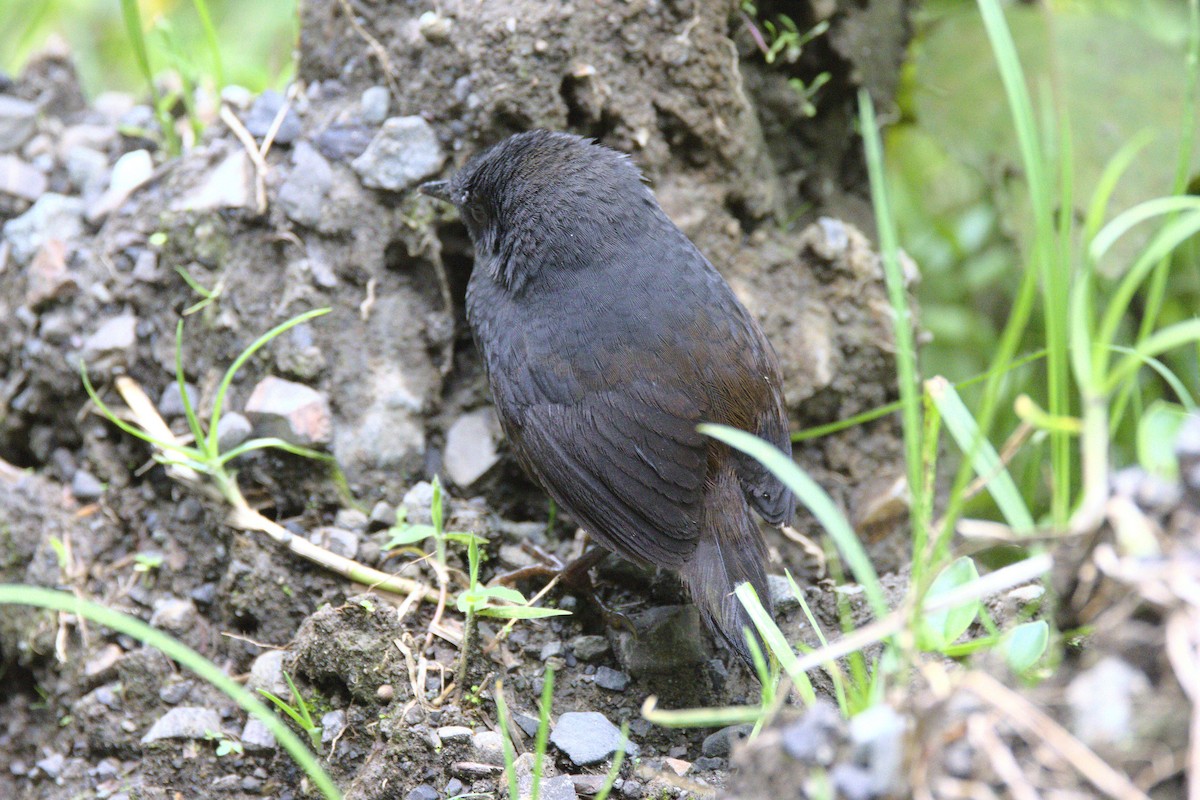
[130,172]
[176,692]
[589,647]
[417,503]
[336,540]
[422,792]
[18,118]
[487,748]
[552,649]
[115,335]
[48,279]
[375,102]
[88,169]
[560,787]
[879,738]
[85,486]
[588,738]
[262,115]
[472,446]
[454,733]
[350,519]
[53,216]
[782,598]
[170,402]
[105,659]
[184,722]
[719,744]
[232,430]
[526,723]
[403,153]
[237,96]
[290,411]
[1104,700]
[333,724]
[852,782]
[383,515]
[256,737]
[51,765]
[669,640]
[343,142]
[708,764]
[267,673]
[611,679]
[174,615]
[302,195]
[20,179]
[812,738]
[454,787]
[230,184]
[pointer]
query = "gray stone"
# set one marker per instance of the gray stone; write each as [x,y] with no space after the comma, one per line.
[114,336]
[454,733]
[374,102]
[256,737]
[18,118]
[1103,700]
[403,153]
[230,184]
[174,615]
[417,503]
[290,411]
[85,486]
[262,115]
[184,722]
[422,792]
[719,744]
[333,724]
[232,430]
[130,172]
[302,195]
[669,640]
[589,647]
[852,782]
[343,142]
[552,649]
[708,764]
[560,787]
[19,179]
[487,747]
[813,738]
[267,673]
[611,679]
[383,515]
[878,735]
[780,590]
[472,446]
[237,96]
[53,216]
[88,169]
[170,402]
[454,787]
[526,723]
[350,519]
[588,738]
[336,540]
[51,765]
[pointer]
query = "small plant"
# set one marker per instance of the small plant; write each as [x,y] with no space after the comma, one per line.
[226,744]
[207,296]
[147,562]
[783,41]
[300,713]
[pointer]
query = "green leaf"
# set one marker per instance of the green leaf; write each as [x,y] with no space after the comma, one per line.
[1156,434]
[409,534]
[505,593]
[1024,645]
[942,628]
[521,612]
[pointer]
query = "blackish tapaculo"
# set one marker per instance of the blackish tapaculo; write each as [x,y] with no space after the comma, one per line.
[607,338]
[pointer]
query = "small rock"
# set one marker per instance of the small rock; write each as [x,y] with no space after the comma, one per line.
[454,787]
[350,519]
[130,172]
[175,692]
[48,277]
[115,336]
[333,724]
[174,615]
[588,784]
[611,679]
[302,195]
[719,744]
[170,402]
[104,660]
[20,179]
[232,430]
[230,184]
[53,216]
[708,764]
[526,723]
[454,733]
[88,170]
[487,748]
[878,735]
[560,787]
[782,598]
[336,540]
[434,27]
[291,411]
[18,118]
[677,765]
[374,103]
[267,673]
[417,503]
[852,782]
[385,693]
[185,722]
[85,486]
[51,765]
[256,737]
[1103,701]
[471,446]
[383,515]
[587,738]
[813,738]
[669,640]
[343,142]
[237,96]
[404,152]
[422,792]
[589,647]
[551,649]
[261,117]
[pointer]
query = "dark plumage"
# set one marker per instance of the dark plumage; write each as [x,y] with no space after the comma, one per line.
[607,338]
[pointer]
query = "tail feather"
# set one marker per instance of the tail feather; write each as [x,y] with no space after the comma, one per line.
[731,551]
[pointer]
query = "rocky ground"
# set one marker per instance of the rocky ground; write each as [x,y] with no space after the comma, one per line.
[287,203]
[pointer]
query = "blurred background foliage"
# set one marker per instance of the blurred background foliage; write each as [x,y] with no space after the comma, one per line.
[1114,70]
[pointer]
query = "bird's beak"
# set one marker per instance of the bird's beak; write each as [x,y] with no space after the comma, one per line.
[436,189]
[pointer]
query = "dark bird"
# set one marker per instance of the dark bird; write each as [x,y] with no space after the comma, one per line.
[607,338]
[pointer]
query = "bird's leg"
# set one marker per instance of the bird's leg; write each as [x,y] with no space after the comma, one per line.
[575,577]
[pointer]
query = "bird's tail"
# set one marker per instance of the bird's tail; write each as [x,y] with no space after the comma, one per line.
[731,551]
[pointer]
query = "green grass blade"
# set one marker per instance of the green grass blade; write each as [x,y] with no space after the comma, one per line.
[816,500]
[192,420]
[510,757]
[1168,338]
[1113,171]
[543,731]
[210,38]
[775,640]
[1120,225]
[187,657]
[985,460]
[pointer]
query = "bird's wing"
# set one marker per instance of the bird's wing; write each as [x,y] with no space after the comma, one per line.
[627,462]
